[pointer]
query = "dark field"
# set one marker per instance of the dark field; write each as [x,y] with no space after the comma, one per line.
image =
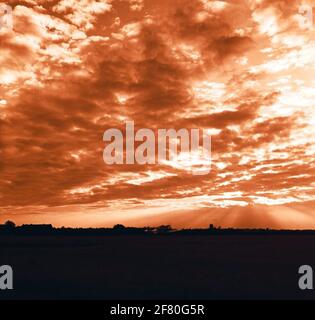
[158,267]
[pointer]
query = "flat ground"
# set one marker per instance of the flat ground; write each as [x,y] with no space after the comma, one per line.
[160,267]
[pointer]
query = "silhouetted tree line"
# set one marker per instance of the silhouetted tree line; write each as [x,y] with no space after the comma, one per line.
[9,228]
[47,229]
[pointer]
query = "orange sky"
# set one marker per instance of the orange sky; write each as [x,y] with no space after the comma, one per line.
[244,70]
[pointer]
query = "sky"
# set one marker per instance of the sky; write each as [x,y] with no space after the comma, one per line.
[242,70]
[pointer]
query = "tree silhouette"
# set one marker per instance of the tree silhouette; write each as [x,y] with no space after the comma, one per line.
[164,229]
[119,227]
[10,224]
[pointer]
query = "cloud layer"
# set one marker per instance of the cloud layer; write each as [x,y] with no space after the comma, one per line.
[69,70]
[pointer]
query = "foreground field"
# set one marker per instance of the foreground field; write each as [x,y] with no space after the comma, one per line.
[160,267]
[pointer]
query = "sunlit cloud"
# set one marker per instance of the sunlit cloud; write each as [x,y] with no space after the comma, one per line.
[241,71]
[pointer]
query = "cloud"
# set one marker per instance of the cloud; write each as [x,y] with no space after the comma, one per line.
[70,70]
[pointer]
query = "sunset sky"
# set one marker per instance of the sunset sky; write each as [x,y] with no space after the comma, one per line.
[243,70]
